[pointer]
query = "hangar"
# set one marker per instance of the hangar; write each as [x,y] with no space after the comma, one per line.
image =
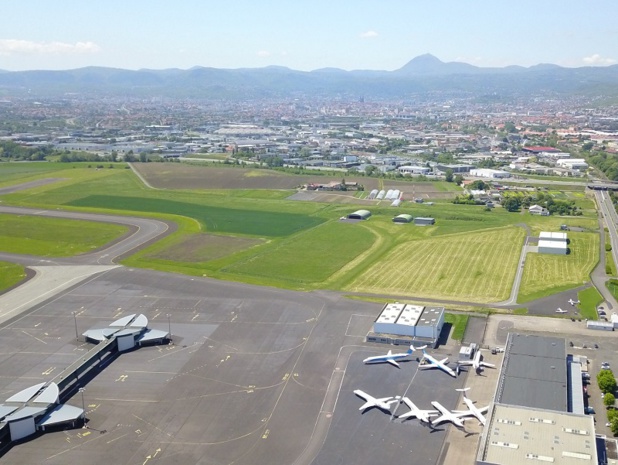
[413,322]
[553,243]
[403,218]
[422,221]
[359,215]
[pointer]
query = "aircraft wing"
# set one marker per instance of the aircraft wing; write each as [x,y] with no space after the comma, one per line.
[392,362]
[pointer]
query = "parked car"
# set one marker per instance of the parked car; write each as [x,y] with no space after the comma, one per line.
[590,411]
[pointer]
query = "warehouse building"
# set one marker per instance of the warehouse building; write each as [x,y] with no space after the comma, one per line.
[403,218]
[537,411]
[553,243]
[424,221]
[400,323]
[489,173]
[359,215]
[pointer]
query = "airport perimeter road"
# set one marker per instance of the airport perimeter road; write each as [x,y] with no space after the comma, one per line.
[611,219]
[143,232]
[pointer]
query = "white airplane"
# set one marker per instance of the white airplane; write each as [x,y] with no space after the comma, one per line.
[473,410]
[561,311]
[573,302]
[433,363]
[384,403]
[476,362]
[415,412]
[455,418]
[390,357]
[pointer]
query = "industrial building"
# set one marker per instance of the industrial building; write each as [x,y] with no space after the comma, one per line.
[403,218]
[537,414]
[424,221]
[404,323]
[553,243]
[359,215]
[489,173]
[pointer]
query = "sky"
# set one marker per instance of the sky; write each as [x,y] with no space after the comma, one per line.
[304,35]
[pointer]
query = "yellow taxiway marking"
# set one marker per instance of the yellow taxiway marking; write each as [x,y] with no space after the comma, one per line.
[122,378]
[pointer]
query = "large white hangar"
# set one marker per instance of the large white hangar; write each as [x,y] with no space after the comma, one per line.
[412,322]
[553,243]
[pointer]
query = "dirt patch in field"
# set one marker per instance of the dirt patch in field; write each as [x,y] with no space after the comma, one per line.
[205,247]
[184,176]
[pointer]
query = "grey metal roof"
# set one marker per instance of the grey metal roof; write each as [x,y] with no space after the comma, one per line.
[534,373]
[26,394]
[7,410]
[25,413]
[61,414]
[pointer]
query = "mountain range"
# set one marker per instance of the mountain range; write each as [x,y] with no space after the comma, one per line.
[421,75]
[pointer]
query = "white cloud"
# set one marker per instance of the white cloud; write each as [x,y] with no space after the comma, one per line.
[597,59]
[263,53]
[369,34]
[16,47]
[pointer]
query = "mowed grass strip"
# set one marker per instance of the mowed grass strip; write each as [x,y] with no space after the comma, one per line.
[310,257]
[10,274]
[474,267]
[546,274]
[219,219]
[52,237]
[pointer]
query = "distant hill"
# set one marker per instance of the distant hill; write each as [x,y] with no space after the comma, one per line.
[425,73]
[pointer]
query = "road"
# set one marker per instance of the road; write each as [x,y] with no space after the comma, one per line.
[610,219]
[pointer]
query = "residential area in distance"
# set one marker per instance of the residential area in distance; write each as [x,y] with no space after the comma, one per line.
[308,280]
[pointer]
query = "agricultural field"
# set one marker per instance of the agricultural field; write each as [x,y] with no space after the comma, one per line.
[186,176]
[31,235]
[455,267]
[546,274]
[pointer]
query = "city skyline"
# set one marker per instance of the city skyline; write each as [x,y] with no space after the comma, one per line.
[305,36]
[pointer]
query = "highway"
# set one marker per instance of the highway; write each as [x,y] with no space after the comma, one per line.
[610,219]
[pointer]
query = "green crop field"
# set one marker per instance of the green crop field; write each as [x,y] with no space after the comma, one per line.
[215,219]
[10,274]
[546,274]
[52,237]
[475,267]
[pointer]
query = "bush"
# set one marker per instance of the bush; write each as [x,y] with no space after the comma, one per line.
[609,400]
[608,247]
[607,382]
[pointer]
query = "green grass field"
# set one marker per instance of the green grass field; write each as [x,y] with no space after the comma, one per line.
[52,237]
[459,323]
[456,267]
[588,301]
[546,274]
[260,237]
[10,274]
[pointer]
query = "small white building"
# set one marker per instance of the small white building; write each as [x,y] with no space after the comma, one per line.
[538,210]
[573,163]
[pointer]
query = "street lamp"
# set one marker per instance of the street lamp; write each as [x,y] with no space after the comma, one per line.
[81,390]
[169,326]
[75,320]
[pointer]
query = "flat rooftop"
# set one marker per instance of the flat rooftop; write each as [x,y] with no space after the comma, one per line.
[534,373]
[516,435]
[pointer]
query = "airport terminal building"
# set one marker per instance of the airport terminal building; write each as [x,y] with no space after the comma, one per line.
[537,413]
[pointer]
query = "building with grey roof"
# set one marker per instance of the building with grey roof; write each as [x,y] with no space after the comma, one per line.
[514,435]
[534,373]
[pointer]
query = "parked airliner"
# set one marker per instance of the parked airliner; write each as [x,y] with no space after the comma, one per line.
[390,357]
[384,403]
[473,410]
[433,363]
[476,362]
[455,418]
[415,412]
